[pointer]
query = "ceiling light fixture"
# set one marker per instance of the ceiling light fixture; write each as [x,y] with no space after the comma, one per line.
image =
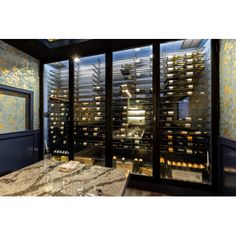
[76,59]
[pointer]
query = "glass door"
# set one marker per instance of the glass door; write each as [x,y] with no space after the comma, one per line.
[89,110]
[132,110]
[185,110]
[56,109]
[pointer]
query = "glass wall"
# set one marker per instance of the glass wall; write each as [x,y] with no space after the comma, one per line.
[133,110]
[56,108]
[185,110]
[89,110]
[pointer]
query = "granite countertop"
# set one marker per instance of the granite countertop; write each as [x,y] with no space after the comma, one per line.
[44,178]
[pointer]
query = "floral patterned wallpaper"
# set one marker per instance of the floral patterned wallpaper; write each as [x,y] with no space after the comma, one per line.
[228,88]
[19,70]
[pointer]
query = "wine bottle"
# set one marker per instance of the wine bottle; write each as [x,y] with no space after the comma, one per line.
[135,166]
[140,164]
[114,159]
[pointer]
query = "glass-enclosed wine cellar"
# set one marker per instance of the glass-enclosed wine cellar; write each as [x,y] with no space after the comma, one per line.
[56,108]
[89,110]
[160,122]
[185,110]
[132,106]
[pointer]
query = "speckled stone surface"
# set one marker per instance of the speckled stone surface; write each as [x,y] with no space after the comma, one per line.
[44,178]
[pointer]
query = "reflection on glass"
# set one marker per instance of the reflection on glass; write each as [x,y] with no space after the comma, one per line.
[89,110]
[133,110]
[185,114]
[56,108]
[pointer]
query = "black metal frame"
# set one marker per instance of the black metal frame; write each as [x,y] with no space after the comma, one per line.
[71,109]
[155,43]
[30,104]
[108,107]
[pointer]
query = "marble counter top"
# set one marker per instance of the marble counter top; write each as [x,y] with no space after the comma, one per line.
[45,178]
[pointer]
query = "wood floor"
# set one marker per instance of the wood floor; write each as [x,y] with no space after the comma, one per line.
[141,193]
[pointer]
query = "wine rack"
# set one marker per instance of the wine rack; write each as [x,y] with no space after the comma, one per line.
[89,109]
[133,110]
[185,114]
[57,86]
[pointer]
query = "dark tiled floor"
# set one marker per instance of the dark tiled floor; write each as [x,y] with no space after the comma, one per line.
[141,193]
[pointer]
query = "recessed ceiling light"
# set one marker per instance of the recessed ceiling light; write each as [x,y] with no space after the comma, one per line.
[76,59]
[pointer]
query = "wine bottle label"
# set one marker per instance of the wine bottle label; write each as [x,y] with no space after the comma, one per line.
[189,151]
[190,54]
[189,73]
[187,125]
[189,61]
[198,132]
[170,112]
[190,67]
[183,132]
